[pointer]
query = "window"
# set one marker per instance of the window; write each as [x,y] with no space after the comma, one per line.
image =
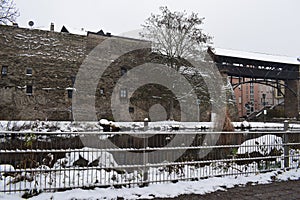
[123,71]
[4,70]
[29,89]
[73,79]
[101,91]
[279,92]
[131,109]
[240,99]
[123,93]
[251,92]
[70,93]
[29,71]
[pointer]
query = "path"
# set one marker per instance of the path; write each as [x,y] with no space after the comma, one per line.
[288,190]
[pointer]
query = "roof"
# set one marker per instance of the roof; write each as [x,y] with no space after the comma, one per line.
[74,31]
[65,29]
[256,56]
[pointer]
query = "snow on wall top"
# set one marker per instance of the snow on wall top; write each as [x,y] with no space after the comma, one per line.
[71,30]
[256,56]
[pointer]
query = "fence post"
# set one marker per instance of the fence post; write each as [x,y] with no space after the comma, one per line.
[145,170]
[146,122]
[285,144]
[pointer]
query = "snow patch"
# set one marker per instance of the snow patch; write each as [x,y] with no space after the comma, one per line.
[264,145]
[167,190]
[256,56]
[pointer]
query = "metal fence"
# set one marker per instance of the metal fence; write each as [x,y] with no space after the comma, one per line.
[58,161]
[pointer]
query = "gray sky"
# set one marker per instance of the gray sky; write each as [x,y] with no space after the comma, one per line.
[267,26]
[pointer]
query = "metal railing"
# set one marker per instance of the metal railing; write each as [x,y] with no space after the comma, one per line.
[58,161]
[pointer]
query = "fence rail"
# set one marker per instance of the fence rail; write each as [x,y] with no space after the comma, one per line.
[55,161]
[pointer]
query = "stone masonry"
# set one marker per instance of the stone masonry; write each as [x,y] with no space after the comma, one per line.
[53,59]
[39,69]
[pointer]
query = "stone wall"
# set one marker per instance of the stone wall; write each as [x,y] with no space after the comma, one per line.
[49,63]
[291,99]
[53,58]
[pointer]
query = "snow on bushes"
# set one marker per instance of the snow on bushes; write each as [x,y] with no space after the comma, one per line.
[49,126]
[263,145]
[87,157]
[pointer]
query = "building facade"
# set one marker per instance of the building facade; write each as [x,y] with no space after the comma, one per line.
[253,97]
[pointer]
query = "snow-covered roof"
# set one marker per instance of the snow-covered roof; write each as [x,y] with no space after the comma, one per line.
[256,56]
[77,31]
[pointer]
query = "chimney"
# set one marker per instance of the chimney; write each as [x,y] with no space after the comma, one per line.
[52,27]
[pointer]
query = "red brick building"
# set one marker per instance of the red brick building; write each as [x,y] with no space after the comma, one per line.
[251,97]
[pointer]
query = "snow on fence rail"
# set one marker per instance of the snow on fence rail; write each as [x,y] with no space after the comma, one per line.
[35,161]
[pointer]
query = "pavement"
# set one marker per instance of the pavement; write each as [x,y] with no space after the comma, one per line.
[287,190]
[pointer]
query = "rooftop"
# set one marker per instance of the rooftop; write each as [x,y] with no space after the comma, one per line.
[256,56]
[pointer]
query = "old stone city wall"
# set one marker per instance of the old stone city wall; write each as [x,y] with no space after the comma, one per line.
[53,58]
[40,67]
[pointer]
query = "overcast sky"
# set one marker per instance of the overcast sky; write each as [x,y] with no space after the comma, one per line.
[267,26]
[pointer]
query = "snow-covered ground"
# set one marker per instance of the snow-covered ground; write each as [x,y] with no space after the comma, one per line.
[164,190]
[266,126]
[67,126]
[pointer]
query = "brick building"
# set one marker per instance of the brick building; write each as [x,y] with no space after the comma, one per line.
[253,97]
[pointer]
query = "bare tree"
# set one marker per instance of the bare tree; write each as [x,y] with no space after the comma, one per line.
[8,11]
[175,34]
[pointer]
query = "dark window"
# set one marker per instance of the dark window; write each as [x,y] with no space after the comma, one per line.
[131,109]
[29,89]
[29,71]
[123,93]
[70,93]
[279,94]
[73,78]
[123,71]
[101,90]
[4,70]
